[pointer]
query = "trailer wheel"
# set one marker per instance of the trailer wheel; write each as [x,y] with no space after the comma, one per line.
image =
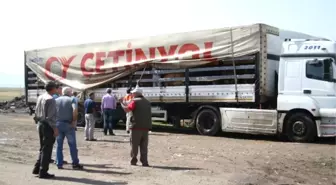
[99,120]
[124,120]
[301,127]
[80,119]
[207,122]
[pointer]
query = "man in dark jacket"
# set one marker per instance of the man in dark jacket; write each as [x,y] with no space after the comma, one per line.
[141,123]
[45,116]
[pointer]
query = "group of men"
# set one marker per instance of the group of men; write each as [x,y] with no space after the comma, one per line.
[56,117]
[138,122]
[108,108]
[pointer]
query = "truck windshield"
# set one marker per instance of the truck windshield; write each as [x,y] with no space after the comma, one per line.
[324,69]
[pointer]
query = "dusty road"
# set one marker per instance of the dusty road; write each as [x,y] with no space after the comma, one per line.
[177,159]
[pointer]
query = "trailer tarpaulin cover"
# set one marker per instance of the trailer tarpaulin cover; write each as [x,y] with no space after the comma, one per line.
[88,65]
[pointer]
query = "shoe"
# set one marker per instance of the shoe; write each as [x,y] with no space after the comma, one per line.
[77,167]
[133,164]
[36,171]
[93,140]
[60,167]
[64,162]
[145,165]
[86,139]
[52,161]
[112,134]
[46,176]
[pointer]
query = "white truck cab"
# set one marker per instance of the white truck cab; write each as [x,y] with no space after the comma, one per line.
[306,101]
[307,88]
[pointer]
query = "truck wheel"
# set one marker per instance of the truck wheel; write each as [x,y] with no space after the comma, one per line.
[80,119]
[207,122]
[301,128]
[99,120]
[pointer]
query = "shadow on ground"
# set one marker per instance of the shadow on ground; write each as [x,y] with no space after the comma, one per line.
[111,141]
[101,166]
[105,172]
[88,181]
[174,168]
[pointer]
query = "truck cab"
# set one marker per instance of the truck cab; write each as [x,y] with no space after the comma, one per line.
[306,99]
[307,88]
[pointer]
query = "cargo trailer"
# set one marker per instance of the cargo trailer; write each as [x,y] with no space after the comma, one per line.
[225,79]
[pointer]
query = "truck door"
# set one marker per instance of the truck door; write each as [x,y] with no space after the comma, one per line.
[319,82]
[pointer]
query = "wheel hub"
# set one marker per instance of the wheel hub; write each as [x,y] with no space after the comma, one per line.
[299,128]
[208,121]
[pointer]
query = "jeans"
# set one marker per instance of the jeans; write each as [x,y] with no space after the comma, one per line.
[108,125]
[66,130]
[89,126]
[47,139]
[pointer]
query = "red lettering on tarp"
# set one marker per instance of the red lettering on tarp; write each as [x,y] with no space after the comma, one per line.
[115,55]
[129,53]
[140,55]
[152,53]
[207,55]
[163,52]
[100,62]
[190,47]
[86,72]
[65,64]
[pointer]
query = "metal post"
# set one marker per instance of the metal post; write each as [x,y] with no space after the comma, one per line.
[234,67]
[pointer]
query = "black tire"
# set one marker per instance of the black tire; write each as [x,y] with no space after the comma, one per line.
[115,123]
[300,127]
[99,120]
[207,122]
[80,119]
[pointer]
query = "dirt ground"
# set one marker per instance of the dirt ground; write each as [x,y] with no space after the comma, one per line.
[176,159]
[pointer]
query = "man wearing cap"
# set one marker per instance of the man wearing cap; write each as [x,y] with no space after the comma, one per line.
[45,117]
[66,124]
[108,106]
[90,110]
[141,124]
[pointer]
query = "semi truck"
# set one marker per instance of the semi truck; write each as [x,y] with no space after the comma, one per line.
[242,79]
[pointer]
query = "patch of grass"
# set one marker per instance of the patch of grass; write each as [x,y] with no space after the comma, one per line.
[10,93]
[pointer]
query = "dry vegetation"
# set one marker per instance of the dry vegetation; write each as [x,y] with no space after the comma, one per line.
[10,93]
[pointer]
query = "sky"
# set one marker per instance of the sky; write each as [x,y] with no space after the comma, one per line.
[37,24]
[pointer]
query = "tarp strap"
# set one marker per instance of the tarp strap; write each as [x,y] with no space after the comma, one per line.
[143,71]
